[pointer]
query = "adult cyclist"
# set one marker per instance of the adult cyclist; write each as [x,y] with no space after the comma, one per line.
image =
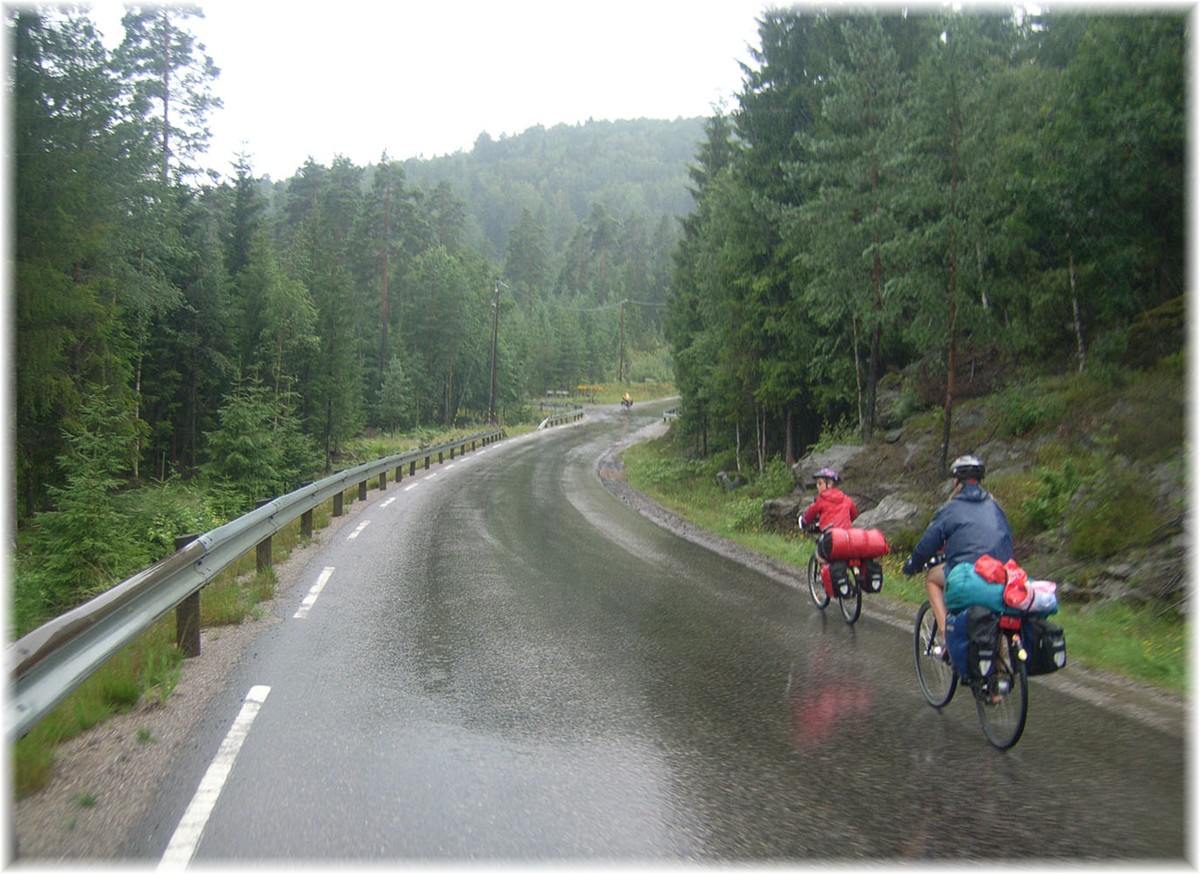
[969,525]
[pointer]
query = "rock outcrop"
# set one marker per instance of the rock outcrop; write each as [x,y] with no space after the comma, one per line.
[895,484]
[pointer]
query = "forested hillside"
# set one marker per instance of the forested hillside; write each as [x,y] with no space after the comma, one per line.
[189,324]
[636,170]
[954,202]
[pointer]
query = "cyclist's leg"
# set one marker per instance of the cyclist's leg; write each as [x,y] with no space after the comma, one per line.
[822,562]
[935,588]
[816,582]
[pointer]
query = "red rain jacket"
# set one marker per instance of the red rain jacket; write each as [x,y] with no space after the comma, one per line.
[834,508]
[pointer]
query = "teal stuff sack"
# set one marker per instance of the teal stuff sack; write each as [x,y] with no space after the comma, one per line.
[965,587]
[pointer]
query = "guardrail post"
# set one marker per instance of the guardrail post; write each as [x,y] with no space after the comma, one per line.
[427,463]
[338,501]
[383,480]
[452,454]
[412,468]
[362,490]
[262,552]
[399,473]
[306,523]
[440,458]
[187,613]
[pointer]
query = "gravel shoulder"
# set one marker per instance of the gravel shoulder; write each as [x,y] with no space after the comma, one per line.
[105,779]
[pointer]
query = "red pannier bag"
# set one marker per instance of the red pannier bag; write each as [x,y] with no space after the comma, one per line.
[842,544]
[827,580]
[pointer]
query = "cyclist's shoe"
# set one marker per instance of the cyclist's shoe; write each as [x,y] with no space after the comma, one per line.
[995,689]
[940,651]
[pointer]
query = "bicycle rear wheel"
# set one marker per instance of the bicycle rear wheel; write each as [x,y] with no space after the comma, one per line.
[851,605]
[935,674]
[1002,699]
[815,588]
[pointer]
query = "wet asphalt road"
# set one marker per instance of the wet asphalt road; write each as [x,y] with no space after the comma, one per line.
[507,664]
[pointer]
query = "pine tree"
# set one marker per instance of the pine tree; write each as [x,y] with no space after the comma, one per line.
[170,79]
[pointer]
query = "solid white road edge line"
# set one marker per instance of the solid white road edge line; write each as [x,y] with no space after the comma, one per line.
[186,839]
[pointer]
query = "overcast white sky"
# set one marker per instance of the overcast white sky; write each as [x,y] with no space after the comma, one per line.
[426,78]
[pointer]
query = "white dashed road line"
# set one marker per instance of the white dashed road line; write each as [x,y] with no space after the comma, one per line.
[311,598]
[186,838]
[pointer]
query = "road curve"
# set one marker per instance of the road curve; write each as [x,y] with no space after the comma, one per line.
[498,662]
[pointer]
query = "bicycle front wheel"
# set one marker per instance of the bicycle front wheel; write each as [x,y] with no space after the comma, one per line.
[851,605]
[815,588]
[1002,699]
[935,674]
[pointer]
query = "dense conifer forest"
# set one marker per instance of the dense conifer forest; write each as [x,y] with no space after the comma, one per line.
[940,198]
[946,200]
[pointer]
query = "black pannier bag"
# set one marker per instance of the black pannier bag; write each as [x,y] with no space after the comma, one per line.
[1045,645]
[982,629]
[871,576]
[839,574]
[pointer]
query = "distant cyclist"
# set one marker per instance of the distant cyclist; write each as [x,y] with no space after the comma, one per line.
[969,525]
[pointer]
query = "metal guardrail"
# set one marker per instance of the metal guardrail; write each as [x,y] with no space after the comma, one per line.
[561,418]
[49,662]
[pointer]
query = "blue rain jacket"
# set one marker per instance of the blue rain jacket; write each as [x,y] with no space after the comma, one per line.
[970,525]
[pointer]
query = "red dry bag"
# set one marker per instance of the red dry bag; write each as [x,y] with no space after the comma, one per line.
[991,569]
[841,544]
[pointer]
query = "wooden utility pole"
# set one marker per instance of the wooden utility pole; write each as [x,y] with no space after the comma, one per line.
[621,351]
[495,338]
[384,313]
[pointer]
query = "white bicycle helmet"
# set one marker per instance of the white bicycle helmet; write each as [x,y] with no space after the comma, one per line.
[967,467]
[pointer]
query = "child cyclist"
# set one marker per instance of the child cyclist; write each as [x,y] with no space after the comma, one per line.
[832,509]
